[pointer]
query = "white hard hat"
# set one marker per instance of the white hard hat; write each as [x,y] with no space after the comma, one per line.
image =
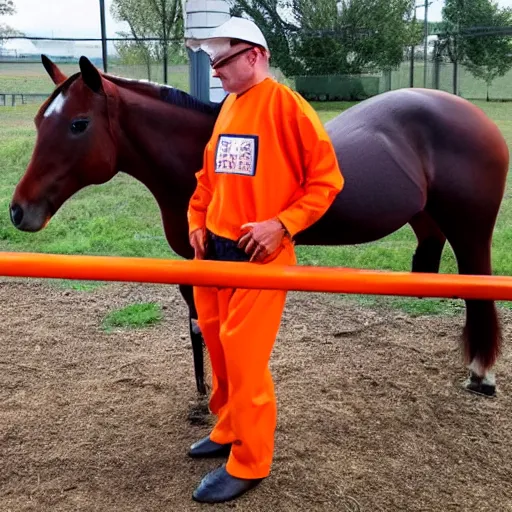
[218,42]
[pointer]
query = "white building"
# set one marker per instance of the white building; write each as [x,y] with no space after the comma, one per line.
[17,47]
[63,49]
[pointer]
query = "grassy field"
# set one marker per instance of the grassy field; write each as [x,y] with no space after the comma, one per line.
[121,217]
[32,77]
[469,86]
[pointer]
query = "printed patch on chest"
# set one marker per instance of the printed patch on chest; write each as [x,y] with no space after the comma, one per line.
[237,154]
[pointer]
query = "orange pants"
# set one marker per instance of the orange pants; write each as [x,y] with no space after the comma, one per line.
[239,327]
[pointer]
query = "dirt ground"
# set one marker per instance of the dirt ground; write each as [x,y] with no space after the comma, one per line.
[372,416]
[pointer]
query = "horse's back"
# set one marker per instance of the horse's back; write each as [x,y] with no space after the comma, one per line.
[398,149]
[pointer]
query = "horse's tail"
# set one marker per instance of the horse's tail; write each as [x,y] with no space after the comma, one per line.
[482,335]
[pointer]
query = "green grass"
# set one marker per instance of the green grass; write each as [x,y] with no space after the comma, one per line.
[79,286]
[134,316]
[469,86]
[122,218]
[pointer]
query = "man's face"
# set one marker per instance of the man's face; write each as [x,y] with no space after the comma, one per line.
[236,71]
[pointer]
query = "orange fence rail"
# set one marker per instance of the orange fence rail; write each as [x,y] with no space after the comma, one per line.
[251,275]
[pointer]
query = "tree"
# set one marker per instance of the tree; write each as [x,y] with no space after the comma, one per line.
[135,52]
[281,34]
[378,31]
[330,36]
[141,27]
[487,56]
[161,19]
[6,7]
[6,31]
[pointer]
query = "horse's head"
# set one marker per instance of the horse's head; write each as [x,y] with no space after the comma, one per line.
[75,147]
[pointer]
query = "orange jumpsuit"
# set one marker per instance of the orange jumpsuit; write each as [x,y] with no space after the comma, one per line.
[269,156]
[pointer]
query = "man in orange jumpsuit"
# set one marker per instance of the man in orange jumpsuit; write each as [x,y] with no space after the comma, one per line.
[269,172]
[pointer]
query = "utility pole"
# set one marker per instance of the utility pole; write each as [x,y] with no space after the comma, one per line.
[103,35]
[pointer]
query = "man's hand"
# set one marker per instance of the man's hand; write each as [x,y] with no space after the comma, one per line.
[197,238]
[262,239]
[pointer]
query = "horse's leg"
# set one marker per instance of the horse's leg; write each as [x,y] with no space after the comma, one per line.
[196,337]
[470,236]
[482,335]
[431,240]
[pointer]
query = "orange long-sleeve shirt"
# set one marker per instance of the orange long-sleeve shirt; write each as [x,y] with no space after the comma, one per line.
[269,156]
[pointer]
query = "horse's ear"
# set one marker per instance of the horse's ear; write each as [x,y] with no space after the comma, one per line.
[90,75]
[55,73]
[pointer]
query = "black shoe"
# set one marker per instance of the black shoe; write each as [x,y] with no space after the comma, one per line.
[206,448]
[219,486]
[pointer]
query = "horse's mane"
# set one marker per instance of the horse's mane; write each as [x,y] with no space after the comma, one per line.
[165,93]
[182,99]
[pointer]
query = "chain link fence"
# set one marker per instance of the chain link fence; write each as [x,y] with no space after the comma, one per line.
[23,78]
[22,72]
[443,75]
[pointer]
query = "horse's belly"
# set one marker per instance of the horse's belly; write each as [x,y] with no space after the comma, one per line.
[384,188]
[347,224]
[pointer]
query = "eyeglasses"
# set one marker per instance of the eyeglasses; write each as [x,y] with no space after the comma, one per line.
[227,60]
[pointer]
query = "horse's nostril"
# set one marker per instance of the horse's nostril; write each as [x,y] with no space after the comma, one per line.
[16,214]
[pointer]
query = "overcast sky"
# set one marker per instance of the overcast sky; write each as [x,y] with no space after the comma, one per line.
[62,18]
[81,18]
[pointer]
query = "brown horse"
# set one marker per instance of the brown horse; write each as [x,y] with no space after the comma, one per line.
[422,157]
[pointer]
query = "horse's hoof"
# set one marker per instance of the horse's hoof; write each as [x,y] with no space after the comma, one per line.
[484,386]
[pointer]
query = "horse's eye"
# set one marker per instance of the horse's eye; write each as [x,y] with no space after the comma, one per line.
[79,125]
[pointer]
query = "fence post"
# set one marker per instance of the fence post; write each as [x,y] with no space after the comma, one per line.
[386,78]
[103,35]
[411,70]
[455,77]
[436,82]
[436,79]
[166,59]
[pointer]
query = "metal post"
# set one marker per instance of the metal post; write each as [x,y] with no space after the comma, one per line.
[411,70]
[103,35]
[425,48]
[455,77]
[436,78]
[166,60]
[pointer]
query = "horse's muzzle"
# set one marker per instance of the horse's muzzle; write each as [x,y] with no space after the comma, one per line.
[30,218]
[16,212]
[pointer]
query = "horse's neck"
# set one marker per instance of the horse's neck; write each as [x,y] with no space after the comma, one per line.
[162,145]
